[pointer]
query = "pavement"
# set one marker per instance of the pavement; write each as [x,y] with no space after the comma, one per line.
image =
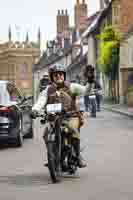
[119,108]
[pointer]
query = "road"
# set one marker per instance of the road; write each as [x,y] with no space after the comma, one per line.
[107,142]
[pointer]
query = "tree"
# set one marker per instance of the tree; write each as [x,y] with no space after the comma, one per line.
[109,57]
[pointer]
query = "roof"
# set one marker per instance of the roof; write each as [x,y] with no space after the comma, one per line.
[77,61]
[45,60]
[95,22]
[92,20]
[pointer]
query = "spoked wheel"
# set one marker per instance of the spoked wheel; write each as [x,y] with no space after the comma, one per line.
[53,162]
[54,156]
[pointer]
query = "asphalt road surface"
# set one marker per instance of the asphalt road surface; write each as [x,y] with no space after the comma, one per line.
[107,145]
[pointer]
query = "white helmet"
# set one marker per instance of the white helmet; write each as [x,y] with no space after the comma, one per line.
[46,75]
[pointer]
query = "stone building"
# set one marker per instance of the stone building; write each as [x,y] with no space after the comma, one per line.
[17,60]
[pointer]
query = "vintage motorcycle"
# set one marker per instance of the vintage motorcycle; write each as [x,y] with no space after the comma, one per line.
[60,152]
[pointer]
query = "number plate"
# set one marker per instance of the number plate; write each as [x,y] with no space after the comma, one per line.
[53,108]
[92,97]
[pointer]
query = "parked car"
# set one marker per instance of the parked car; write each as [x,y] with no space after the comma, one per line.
[15,120]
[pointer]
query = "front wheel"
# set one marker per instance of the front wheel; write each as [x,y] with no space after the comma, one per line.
[93,107]
[53,162]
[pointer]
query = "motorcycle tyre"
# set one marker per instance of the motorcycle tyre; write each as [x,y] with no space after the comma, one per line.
[54,174]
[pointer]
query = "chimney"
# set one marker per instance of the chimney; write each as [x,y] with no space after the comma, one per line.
[77,1]
[62,12]
[58,12]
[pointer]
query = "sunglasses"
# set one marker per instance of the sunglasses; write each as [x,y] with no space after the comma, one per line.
[55,74]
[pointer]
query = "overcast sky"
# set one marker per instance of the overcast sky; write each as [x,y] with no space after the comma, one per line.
[28,15]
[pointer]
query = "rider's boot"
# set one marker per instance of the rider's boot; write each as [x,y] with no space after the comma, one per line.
[81,162]
[45,135]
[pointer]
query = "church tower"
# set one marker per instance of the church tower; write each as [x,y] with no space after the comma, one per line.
[81,13]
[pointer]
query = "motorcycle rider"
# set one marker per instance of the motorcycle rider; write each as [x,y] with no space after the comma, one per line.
[95,85]
[61,91]
[44,82]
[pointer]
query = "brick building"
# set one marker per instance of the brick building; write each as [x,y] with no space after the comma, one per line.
[63,34]
[81,14]
[120,15]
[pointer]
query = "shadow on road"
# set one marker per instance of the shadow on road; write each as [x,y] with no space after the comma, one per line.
[26,179]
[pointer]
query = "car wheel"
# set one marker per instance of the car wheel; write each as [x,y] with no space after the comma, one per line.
[19,139]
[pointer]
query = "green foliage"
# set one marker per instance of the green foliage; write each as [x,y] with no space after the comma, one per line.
[130,89]
[106,51]
[109,34]
[109,51]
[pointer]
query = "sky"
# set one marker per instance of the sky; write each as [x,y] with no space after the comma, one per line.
[28,15]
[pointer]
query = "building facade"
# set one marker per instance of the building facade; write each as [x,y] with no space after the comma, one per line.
[126,67]
[16,62]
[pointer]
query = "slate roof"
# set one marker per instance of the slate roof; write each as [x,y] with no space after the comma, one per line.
[45,60]
[77,61]
[94,23]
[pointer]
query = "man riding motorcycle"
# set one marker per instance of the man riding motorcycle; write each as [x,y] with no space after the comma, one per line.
[89,73]
[61,91]
[44,82]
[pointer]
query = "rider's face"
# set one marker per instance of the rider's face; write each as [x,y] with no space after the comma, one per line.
[58,77]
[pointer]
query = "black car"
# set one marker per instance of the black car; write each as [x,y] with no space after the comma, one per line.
[15,120]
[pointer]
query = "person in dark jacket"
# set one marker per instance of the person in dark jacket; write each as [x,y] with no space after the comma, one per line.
[89,73]
[44,82]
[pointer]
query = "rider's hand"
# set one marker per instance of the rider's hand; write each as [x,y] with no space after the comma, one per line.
[33,114]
